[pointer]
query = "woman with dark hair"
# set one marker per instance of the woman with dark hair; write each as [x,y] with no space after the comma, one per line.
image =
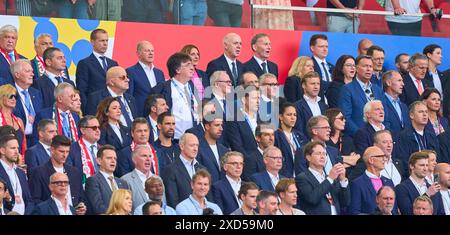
[432,98]
[293,90]
[337,139]
[200,79]
[112,130]
[343,73]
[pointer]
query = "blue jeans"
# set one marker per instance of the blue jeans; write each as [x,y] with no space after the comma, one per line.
[190,12]
[79,10]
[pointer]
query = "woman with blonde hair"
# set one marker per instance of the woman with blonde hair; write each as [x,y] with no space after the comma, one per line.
[121,202]
[76,105]
[293,90]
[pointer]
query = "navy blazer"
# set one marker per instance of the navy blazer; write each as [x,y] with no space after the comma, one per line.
[438,204]
[5,72]
[48,207]
[363,195]
[312,194]
[26,195]
[301,165]
[253,66]
[262,179]
[304,113]
[239,136]
[444,147]
[323,84]
[221,64]
[391,117]
[410,93]
[108,136]
[283,144]
[293,90]
[224,196]
[405,194]
[177,182]
[407,144]
[333,93]
[91,76]
[206,158]
[96,97]
[363,138]
[37,102]
[98,193]
[40,179]
[203,77]
[34,64]
[165,88]
[74,158]
[47,88]
[140,86]
[253,163]
[35,156]
[351,102]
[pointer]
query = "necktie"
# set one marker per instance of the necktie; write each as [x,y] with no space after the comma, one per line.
[187,94]
[327,76]
[398,110]
[11,56]
[234,71]
[419,86]
[125,111]
[105,67]
[65,125]
[113,183]
[369,94]
[28,105]
[92,150]
[59,79]
[263,65]
[196,166]
[224,102]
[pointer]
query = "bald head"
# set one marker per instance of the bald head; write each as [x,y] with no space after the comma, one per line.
[442,167]
[189,146]
[114,72]
[232,44]
[117,80]
[145,52]
[363,46]
[372,151]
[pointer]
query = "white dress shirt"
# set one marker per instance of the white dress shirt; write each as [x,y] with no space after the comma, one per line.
[446,200]
[236,186]
[149,73]
[61,209]
[391,172]
[313,105]
[16,186]
[106,175]
[181,108]
[420,188]
[274,179]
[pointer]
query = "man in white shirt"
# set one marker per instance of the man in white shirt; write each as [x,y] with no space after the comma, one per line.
[443,175]
[154,106]
[374,118]
[393,168]
[40,152]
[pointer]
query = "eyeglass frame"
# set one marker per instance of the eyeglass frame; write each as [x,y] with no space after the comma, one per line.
[61,183]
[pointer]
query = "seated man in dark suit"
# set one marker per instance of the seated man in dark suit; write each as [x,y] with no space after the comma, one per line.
[385,201]
[39,154]
[3,188]
[166,148]
[28,99]
[117,83]
[444,146]
[225,191]
[374,117]
[318,44]
[143,75]
[83,153]
[91,71]
[268,179]
[210,150]
[320,193]
[364,188]
[228,62]
[415,185]
[155,104]
[310,104]
[393,167]
[259,63]
[415,82]
[39,179]
[254,162]
[58,203]
[55,64]
[8,42]
[396,112]
[416,137]
[441,201]
[270,100]
[100,186]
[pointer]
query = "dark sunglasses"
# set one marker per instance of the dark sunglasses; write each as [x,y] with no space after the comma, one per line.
[60,183]
[94,128]
[12,96]
[123,77]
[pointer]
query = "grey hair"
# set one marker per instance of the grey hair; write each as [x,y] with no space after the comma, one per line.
[41,36]
[368,108]
[59,90]
[8,29]
[16,66]
[216,76]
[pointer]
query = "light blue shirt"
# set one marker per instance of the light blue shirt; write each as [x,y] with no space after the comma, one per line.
[166,210]
[396,104]
[189,165]
[190,206]
[364,87]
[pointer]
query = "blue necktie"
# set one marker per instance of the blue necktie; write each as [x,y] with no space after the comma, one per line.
[28,105]
[93,157]
[65,125]
[11,56]
[125,112]
[264,68]
[103,58]
[235,73]
[59,79]
[224,101]
[327,76]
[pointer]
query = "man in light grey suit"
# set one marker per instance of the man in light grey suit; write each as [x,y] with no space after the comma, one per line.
[142,159]
[100,186]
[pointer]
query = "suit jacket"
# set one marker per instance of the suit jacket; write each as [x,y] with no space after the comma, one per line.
[224,196]
[363,138]
[239,136]
[360,168]
[177,182]
[108,136]
[442,120]
[391,117]
[91,76]
[48,207]
[221,63]
[26,195]
[333,92]
[206,158]
[5,73]
[323,84]
[253,66]
[74,158]
[47,113]
[438,204]
[37,102]
[282,142]
[46,88]
[301,165]
[97,97]
[140,86]
[34,64]
[203,77]
[98,192]
[124,163]
[363,195]
[304,113]
[405,194]
[40,180]
[35,156]
[262,179]
[293,90]
[135,185]
[165,89]
[410,93]
[253,163]
[351,102]
[312,194]
[444,147]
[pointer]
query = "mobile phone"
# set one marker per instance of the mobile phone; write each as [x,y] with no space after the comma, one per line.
[436,178]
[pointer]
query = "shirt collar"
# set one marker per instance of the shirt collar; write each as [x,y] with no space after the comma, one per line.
[260,150]
[45,146]
[232,181]
[6,165]
[229,61]
[50,74]
[88,144]
[363,86]
[416,183]
[178,83]
[146,66]
[142,175]
[152,122]
[274,176]
[320,60]
[259,60]
[413,78]
[265,98]
[19,89]
[187,162]
[106,175]
[113,94]
[372,176]
[390,98]
[316,173]
[309,99]
[97,55]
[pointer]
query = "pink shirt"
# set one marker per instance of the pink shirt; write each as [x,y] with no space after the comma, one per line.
[198,85]
[376,181]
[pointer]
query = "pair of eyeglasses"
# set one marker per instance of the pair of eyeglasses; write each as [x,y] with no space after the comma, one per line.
[227,82]
[12,96]
[60,183]
[123,77]
[341,118]
[380,156]
[270,84]
[94,128]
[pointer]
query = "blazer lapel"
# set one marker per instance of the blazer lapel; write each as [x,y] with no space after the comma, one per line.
[137,182]
[305,107]
[143,75]
[182,169]
[230,190]
[96,63]
[268,181]
[53,207]
[368,184]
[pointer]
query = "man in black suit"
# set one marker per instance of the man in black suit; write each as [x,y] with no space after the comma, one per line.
[254,162]
[228,62]
[415,82]
[377,53]
[91,71]
[318,44]
[320,193]
[40,152]
[259,63]
[270,100]
[39,179]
